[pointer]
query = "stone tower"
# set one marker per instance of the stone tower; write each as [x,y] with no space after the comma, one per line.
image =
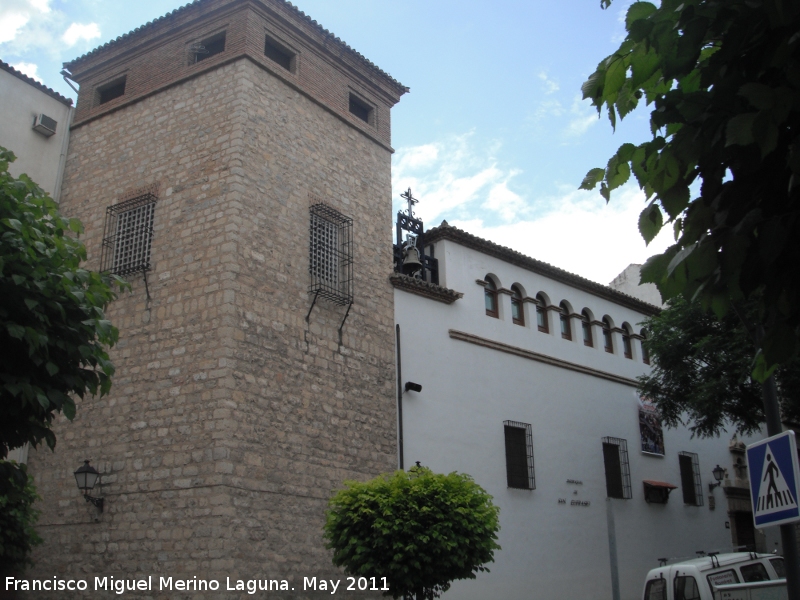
[232,160]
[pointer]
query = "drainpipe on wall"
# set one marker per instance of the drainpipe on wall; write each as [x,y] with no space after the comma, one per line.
[399,400]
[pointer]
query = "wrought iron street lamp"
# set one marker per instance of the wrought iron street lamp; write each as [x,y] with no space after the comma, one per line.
[87,477]
[718,473]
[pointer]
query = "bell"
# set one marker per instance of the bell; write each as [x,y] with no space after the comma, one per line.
[411,262]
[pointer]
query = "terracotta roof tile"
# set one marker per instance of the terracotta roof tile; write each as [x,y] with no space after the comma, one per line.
[188,6]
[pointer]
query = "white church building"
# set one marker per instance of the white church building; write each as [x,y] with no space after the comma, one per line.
[528,383]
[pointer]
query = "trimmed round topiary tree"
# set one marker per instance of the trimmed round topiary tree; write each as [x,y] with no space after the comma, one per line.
[415,532]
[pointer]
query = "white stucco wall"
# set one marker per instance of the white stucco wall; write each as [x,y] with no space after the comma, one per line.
[549,550]
[627,282]
[40,157]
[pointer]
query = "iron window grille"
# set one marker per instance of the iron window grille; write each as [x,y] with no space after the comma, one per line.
[111,91]
[608,343]
[361,109]
[517,311]
[280,54]
[626,344]
[541,314]
[691,486]
[519,455]
[618,471]
[566,326]
[129,235]
[586,325]
[331,255]
[207,48]
[490,298]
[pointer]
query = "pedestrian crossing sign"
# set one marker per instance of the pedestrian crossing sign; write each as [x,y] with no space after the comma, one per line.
[774,478]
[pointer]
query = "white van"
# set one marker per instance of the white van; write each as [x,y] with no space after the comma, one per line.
[698,578]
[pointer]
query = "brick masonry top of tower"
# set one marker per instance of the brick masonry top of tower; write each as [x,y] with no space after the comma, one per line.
[206,34]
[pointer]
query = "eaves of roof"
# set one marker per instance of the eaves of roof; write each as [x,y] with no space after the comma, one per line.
[186,7]
[448,232]
[29,80]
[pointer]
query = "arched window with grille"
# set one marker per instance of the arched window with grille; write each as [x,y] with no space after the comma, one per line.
[586,325]
[627,348]
[517,312]
[541,313]
[608,341]
[566,328]
[645,351]
[490,297]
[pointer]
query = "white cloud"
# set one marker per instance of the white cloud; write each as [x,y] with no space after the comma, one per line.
[583,117]
[29,28]
[10,25]
[16,14]
[584,235]
[550,85]
[28,69]
[507,204]
[77,32]
[574,230]
[41,5]
[453,178]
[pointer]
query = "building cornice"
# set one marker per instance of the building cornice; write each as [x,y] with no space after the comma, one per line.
[423,288]
[327,38]
[448,232]
[538,357]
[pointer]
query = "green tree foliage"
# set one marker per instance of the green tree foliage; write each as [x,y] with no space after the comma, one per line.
[419,529]
[702,368]
[723,78]
[17,517]
[53,332]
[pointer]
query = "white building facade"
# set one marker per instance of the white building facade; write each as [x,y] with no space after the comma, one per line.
[34,125]
[528,378]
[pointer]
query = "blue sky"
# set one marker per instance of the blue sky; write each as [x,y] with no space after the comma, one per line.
[493,136]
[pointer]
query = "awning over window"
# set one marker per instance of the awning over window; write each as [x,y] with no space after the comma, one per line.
[659,484]
[657,492]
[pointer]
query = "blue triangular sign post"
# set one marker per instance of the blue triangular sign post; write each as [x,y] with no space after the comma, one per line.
[772,466]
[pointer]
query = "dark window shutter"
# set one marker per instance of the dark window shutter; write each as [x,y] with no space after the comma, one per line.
[687,479]
[516,458]
[613,471]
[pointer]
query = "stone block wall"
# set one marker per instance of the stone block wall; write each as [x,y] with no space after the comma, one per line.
[232,418]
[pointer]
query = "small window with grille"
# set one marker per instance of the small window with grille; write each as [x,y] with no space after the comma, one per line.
[691,485]
[361,109]
[519,455]
[129,235]
[331,254]
[110,91]
[207,48]
[280,54]
[618,471]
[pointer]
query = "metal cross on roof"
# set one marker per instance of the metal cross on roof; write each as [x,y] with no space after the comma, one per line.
[411,201]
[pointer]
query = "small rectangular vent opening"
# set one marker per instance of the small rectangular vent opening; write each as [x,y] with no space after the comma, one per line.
[110,91]
[209,47]
[361,109]
[280,54]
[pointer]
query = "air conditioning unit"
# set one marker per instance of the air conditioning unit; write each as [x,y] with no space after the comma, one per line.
[44,125]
